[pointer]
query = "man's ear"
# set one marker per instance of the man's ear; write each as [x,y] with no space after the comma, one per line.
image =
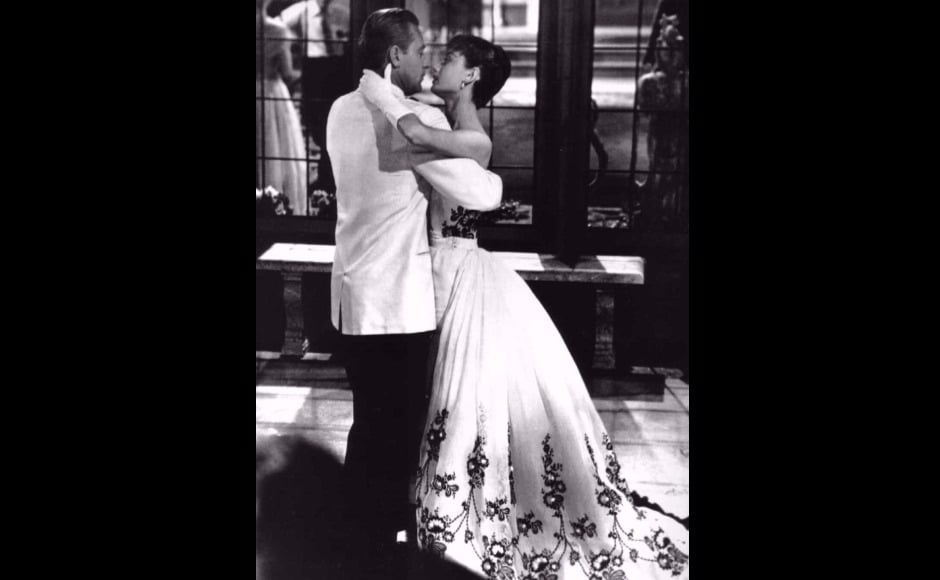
[394,55]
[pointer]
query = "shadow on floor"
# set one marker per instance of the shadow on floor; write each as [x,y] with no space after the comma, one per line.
[304,529]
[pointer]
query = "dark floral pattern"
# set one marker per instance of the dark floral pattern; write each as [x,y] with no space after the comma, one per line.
[668,556]
[442,484]
[609,499]
[431,531]
[462,223]
[606,496]
[540,565]
[583,528]
[512,480]
[497,558]
[497,509]
[497,554]
[605,566]
[477,463]
[528,523]
[600,561]
[436,435]
[674,560]
[613,468]
[552,493]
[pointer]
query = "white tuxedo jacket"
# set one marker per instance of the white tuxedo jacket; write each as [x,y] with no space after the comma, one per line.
[381,281]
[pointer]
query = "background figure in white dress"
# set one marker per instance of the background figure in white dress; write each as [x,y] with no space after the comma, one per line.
[518,478]
[278,135]
[322,26]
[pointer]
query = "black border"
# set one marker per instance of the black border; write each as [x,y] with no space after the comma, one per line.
[163,289]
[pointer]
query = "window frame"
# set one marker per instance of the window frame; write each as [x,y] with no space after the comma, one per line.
[561,156]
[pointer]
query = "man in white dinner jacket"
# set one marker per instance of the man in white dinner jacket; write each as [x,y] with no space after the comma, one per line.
[382,293]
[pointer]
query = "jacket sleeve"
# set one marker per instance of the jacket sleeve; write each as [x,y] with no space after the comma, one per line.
[461,180]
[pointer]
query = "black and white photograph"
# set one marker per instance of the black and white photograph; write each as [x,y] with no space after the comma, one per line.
[472,289]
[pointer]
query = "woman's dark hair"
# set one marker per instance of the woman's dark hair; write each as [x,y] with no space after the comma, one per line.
[493,62]
[384,28]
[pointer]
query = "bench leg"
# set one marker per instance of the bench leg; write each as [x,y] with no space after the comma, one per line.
[294,315]
[604,356]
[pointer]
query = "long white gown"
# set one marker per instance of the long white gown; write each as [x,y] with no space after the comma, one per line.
[518,477]
[278,132]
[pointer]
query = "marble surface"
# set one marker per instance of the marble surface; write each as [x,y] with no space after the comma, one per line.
[651,437]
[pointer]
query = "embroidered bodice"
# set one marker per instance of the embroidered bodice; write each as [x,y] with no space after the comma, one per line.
[448,219]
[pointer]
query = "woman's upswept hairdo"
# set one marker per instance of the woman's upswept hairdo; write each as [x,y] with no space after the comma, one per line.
[493,62]
[383,29]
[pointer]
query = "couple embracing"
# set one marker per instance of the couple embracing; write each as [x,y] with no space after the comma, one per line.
[472,427]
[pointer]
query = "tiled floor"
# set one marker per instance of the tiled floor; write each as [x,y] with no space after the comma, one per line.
[651,437]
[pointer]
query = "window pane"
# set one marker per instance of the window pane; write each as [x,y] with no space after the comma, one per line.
[278,132]
[441,20]
[307,21]
[519,90]
[613,141]
[513,134]
[515,29]
[615,21]
[640,94]
[512,21]
[615,76]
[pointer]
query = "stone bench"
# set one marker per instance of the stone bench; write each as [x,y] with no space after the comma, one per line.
[604,272]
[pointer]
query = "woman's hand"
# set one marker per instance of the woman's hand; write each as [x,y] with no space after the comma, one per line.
[378,91]
[374,88]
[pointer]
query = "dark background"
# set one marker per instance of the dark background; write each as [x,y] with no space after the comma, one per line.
[147,470]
